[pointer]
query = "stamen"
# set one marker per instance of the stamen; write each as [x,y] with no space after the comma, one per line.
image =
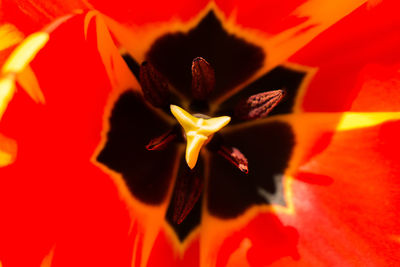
[197,131]
[203,79]
[154,86]
[163,140]
[188,189]
[258,106]
[236,157]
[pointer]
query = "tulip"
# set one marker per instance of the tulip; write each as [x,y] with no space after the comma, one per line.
[221,133]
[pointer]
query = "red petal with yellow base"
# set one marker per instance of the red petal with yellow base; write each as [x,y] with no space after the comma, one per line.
[48,191]
[60,204]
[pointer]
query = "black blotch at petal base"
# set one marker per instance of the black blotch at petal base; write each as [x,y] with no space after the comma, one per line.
[233,58]
[268,148]
[279,78]
[133,124]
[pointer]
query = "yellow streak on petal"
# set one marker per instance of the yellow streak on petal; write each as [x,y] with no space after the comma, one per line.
[25,52]
[197,131]
[8,150]
[355,120]
[7,88]
[320,15]
[48,259]
[308,128]
[27,79]
[5,159]
[16,67]
[9,36]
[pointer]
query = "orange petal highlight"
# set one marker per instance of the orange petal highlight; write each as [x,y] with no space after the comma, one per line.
[8,151]
[9,36]
[120,76]
[7,86]
[48,259]
[27,79]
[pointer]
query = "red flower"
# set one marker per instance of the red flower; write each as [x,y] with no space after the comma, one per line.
[321,187]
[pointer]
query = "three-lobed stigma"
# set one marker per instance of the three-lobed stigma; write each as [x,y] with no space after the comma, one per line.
[197,131]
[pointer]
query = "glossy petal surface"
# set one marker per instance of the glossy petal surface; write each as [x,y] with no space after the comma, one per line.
[340,199]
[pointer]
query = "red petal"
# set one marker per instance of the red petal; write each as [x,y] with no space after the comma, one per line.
[75,89]
[379,89]
[31,15]
[367,36]
[354,219]
[270,16]
[142,12]
[42,174]
[267,240]
[54,194]
[10,36]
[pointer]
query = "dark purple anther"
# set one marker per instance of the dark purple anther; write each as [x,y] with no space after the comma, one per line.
[188,188]
[259,105]
[203,79]
[163,140]
[154,86]
[236,157]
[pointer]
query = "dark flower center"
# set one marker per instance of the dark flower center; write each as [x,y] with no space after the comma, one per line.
[242,165]
[156,91]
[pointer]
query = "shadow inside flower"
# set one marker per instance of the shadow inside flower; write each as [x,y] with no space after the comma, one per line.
[268,144]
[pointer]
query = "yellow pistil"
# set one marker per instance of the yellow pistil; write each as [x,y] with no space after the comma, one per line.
[197,131]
